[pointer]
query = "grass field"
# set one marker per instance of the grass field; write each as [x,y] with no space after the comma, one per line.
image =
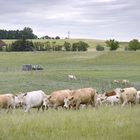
[93,69]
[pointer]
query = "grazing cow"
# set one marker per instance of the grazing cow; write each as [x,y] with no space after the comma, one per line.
[7,101]
[116,81]
[72,77]
[128,95]
[56,98]
[33,99]
[81,96]
[125,82]
[138,97]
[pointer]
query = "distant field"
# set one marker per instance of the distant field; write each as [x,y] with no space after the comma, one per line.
[93,69]
[92,42]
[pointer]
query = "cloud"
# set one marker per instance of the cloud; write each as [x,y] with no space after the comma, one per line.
[101,19]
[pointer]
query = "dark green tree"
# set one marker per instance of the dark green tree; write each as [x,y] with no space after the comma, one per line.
[134,45]
[67,46]
[112,44]
[22,45]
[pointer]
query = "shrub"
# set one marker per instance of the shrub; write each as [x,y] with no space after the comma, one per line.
[99,48]
[67,46]
[80,46]
[114,45]
[22,45]
[134,45]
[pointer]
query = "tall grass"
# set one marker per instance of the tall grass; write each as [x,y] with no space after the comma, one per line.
[103,123]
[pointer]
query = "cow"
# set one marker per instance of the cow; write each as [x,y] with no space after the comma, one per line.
[56,98]
[81,96]
[127,95]
[33,99]
[116,81]
[7,101]
[72,77]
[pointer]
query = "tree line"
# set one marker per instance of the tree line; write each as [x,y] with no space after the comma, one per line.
[26,33]
[112,44]
[26,45]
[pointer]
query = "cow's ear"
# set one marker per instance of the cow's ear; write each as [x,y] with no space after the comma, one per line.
[25,94]
[49,96]
[71,98]
[122,90]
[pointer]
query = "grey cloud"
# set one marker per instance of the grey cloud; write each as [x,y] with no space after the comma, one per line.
[92,18]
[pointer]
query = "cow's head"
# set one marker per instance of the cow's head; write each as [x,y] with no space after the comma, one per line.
[19,99]
[68,101]
[46,101]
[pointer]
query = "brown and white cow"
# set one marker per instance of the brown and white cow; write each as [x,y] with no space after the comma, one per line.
[7,101]
[85,96]
[56,98]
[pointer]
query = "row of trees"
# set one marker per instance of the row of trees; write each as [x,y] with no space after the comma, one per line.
[114,45]
[26,33]
[48,37]
[25,45]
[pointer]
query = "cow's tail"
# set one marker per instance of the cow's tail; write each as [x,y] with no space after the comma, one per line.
[94,99]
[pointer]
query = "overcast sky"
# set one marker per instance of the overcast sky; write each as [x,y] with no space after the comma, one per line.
[97,19]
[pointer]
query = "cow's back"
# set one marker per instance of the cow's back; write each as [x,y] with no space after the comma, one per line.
[57,97]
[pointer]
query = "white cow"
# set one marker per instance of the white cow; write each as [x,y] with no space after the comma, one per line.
[33,99]
[72,77]
[115,99]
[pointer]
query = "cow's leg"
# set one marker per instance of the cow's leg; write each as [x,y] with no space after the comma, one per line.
[55,106]
[112,103]
[124,103]
[27,108]
[77,104]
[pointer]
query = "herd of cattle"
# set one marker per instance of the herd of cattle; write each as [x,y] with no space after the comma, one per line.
[70,99]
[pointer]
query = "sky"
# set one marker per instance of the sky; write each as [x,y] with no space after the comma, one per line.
[92,19]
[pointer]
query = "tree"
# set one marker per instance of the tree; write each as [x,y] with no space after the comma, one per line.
[17,34]
[80,46]
[114,45]
[22,45]
[99,48]
[134,45]
[57,37]
[67,46]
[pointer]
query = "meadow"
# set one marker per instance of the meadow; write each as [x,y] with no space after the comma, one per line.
[93,69]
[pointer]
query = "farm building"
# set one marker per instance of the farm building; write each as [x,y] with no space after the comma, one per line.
[2,44]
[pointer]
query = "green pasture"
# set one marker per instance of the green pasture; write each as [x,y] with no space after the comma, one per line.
[93,69]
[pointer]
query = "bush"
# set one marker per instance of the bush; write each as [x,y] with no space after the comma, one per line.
[67,46]
[134,45]
[114,45]
[22,45]
[80,46]
[99,48]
